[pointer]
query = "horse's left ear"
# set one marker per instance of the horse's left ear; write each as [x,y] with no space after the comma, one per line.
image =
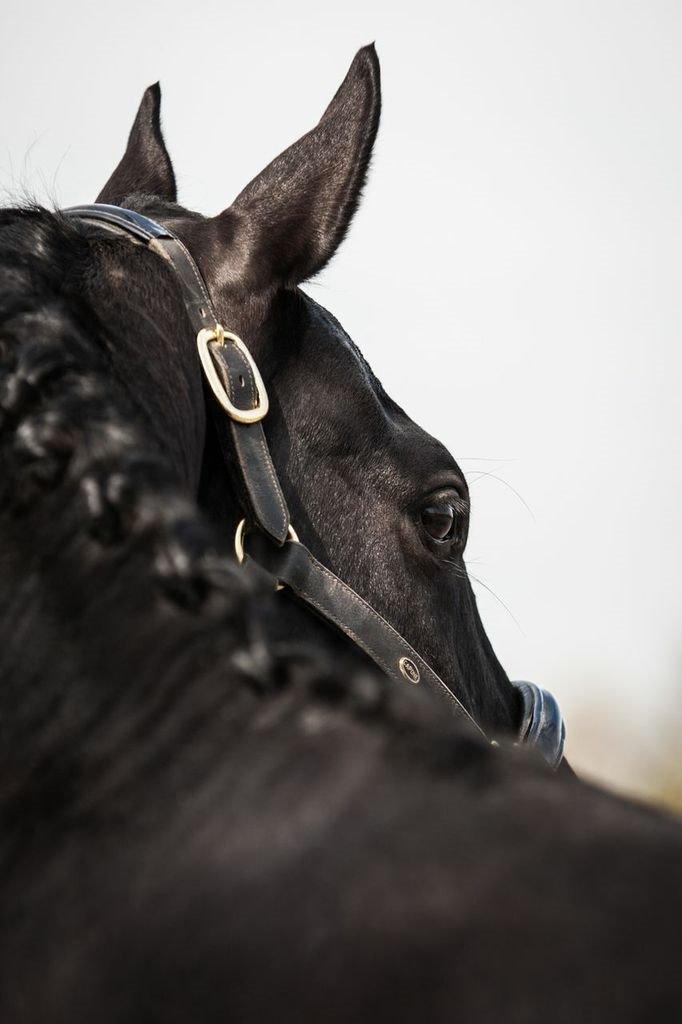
[289,221]
[145,166]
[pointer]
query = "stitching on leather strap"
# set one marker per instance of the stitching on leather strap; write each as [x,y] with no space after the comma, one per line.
[346,629]
[270,469]
[427,670]
[259,438]
[200,282]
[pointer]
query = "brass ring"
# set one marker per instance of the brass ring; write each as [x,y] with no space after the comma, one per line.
[240,535]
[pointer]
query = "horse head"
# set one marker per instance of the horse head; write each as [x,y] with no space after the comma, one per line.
[375,497]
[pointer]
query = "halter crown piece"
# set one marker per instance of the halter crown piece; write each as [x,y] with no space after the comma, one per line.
[241,405]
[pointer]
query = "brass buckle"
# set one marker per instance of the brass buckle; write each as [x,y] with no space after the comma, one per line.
[240,535]
[204,337]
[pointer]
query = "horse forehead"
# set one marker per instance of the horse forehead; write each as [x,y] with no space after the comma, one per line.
[404,441]
[326,331]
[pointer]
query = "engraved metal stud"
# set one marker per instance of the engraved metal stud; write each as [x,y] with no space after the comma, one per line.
[409,670]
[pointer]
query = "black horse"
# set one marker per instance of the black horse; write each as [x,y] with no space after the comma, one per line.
[212,806]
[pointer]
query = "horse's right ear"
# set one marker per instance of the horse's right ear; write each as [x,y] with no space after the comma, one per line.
[145,166]
[290,220]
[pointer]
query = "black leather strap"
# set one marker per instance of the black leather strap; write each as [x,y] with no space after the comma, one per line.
[132,223]
[294,565]
[252,469]
[245,449]
[193,289]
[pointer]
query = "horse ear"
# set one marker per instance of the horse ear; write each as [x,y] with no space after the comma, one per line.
[145,166]
[288,222]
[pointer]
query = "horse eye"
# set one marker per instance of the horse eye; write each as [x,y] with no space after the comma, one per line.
[438,521]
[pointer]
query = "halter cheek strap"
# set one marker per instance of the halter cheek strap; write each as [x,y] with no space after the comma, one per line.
[240,393]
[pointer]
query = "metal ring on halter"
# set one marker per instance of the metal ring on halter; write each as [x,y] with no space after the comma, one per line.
[240,535]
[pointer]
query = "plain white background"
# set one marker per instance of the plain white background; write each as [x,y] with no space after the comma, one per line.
[522,228]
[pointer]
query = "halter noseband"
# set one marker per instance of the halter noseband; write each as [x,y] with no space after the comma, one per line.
[240,392]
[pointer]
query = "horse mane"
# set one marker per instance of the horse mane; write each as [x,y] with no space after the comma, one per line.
[168,629]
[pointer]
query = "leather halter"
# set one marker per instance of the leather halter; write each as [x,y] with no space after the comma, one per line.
[239,391]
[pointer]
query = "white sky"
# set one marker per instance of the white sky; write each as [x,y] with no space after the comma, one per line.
[522,227]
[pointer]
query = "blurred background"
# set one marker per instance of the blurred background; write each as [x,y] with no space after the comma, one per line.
[522,227]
